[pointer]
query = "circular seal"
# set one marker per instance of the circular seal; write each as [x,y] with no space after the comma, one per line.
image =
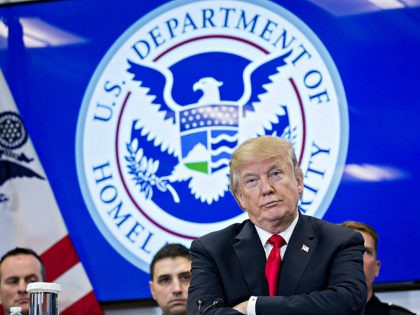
[13,134]
[176,94]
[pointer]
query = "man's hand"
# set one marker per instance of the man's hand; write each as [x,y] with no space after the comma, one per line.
[241,307]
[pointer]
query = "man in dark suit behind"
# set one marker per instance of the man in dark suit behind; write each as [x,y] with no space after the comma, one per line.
[322,266]
[371,266]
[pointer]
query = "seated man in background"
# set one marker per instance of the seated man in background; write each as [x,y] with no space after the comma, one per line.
[371,266]
[170,272]
[18,267]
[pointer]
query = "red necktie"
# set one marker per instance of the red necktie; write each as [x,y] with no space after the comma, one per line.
[272,266]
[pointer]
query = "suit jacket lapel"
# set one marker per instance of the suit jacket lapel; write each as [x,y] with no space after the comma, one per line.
[251,256]
[298,253]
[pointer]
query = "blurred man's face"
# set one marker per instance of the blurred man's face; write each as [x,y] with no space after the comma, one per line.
[15,274]
[169,287]
[371,264]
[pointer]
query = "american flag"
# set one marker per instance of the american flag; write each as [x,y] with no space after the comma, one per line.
[30,217]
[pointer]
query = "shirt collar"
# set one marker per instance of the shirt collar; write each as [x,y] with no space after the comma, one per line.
[286,234]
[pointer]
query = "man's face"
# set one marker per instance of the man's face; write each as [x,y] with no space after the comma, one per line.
[15,274]
[169,287]
[269,190]
[371,265]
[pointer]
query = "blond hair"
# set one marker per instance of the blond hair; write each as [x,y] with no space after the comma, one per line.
[256,149]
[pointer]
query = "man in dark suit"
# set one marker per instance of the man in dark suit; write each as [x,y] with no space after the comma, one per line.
[371,266]
[321,263]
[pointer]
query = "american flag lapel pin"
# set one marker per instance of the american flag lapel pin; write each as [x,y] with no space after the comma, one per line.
[305,248]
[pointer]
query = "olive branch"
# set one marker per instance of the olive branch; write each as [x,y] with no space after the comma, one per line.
[143,171]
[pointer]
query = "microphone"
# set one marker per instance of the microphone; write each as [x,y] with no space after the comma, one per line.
[199,303]
[218,302]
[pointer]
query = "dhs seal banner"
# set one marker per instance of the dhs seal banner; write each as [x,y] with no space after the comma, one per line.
[177,93]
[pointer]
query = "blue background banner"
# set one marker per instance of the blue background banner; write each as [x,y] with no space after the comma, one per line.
[375,52]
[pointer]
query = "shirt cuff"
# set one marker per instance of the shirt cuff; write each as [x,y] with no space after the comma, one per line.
[250,310]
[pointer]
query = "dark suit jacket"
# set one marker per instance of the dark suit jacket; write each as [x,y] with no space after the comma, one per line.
[327,279]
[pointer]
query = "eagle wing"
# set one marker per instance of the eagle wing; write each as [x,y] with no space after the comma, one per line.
[262,98]
[9,170]
[158,109]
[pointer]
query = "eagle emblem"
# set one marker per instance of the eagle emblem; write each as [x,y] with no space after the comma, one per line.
[202,134]
[177,93]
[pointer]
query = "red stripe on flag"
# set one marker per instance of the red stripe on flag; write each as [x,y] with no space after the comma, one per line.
[59,258]
[86,305]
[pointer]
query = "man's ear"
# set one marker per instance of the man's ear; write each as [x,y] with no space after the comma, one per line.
[377,267]
[151,287]
[299,179]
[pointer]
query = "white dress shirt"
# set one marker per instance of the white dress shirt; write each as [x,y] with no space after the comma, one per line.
[264,236]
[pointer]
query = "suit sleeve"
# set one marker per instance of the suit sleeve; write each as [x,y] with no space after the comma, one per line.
[206,283]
